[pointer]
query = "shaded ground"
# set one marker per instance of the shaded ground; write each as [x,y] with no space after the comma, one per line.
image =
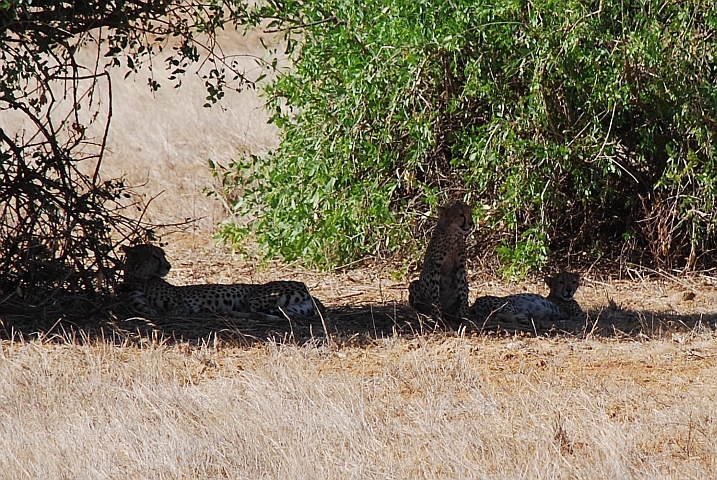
[368,303]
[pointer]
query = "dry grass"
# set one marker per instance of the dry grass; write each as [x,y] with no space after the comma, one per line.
[629,394]
[428,407]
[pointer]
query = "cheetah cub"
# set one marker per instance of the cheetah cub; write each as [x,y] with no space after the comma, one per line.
[560,304]
[442,289]
[150,294]
[562,293]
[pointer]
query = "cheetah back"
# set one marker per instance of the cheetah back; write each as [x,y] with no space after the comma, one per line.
[277,298]
[520,307]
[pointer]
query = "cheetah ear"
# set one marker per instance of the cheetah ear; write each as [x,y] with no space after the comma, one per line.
[549,281]
[125,249]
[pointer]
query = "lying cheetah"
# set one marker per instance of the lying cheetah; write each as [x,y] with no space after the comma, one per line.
[560,304]
[562,292]
[150,294]
[442,289]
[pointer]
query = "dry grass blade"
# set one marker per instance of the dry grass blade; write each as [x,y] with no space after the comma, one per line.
[431,407]
[625,393]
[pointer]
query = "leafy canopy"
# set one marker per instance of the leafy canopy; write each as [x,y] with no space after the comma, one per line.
[572,126]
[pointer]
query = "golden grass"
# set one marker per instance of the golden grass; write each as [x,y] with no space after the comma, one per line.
[428,407]
[631,395]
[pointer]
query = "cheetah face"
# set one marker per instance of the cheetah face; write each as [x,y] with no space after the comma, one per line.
[456,215]
[145,261]
[465,224]
[563,285]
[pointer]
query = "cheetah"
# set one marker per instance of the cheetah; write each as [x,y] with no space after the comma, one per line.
[150,294]
[562,293]
[560,304]
[442,288]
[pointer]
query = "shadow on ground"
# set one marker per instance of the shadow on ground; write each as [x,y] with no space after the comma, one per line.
[355,325]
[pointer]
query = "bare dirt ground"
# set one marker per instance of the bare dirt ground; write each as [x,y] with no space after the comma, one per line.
[371,302]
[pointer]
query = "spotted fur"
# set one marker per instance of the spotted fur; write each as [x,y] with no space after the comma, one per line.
[442,288]
[559,305]
[562,293]
[150,294]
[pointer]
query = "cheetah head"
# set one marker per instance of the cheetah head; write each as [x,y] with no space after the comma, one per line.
[145,261]
[456,215]
[563,285]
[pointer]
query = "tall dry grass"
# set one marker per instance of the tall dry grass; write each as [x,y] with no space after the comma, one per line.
[429,407]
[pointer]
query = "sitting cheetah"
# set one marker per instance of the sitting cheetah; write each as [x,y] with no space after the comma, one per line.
[442,289]
[560,304]
[150,294]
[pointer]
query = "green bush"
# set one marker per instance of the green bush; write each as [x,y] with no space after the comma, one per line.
[566,123]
